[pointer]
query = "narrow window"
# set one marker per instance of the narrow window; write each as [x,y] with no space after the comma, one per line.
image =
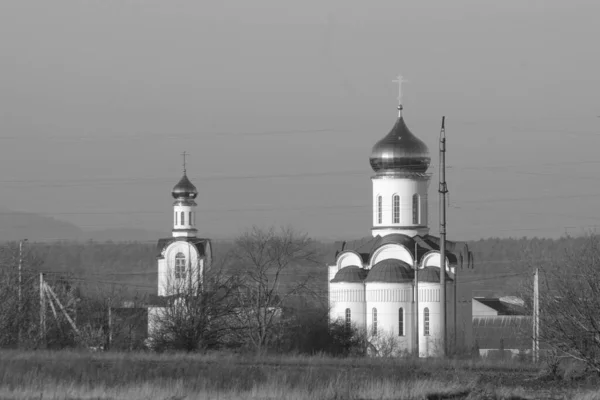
[180,272]
[401,322]
[190,218]
[415,208]
[348,319]
[426,321]
[182,218]
[175,217]
[374,321]
[396,209]
[379,210]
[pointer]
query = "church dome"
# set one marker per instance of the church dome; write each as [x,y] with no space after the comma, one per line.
[431,274]
[184,189]
[350,274]
[400,151]
[390,271]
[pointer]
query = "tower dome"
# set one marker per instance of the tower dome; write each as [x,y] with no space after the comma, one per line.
[400,151]
[184,189]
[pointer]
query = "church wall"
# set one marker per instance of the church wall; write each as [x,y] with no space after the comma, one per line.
[168,283]
[345,295]
[405,188]
[388,298]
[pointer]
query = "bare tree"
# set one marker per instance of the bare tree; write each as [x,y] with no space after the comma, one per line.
[18,317]
[569,301]
[269,263]
[193,319]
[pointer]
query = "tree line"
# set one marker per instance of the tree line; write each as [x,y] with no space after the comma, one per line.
[266,291]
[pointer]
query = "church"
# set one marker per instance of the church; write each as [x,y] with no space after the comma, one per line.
[182,258]
[389,286]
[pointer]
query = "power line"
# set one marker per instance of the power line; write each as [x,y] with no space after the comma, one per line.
[138,180]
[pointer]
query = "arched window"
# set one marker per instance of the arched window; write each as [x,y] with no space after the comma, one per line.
[426,321]
[415,208]
[379,210]
[348,319]
[401,322]
[396,209]
[180,266]
[374,321]
[190,218]
[182,218]
[175,217]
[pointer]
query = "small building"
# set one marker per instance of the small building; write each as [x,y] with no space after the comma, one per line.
[501,327]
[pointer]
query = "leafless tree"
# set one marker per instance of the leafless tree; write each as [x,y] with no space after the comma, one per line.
[192,319]
[269,262]
[569,301]
[18,317]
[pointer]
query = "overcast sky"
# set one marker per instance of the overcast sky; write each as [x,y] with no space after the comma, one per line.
[99,98]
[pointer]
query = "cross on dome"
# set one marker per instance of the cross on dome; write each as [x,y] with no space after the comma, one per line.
[399,80]
[184,154]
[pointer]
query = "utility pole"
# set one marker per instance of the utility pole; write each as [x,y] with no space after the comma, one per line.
[416,301]
[536,315]
[42,310]
[20,289]
[443,190]
[109,324]
[455,329]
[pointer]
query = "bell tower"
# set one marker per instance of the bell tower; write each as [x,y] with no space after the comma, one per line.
[184,206]
[400,161]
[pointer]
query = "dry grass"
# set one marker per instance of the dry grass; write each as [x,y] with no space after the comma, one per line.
[79,375]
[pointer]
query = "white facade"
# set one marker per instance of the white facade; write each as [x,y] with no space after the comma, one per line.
[184,219]
[400,204]
[183,257]
[181,268]
[364,303]
[374,287]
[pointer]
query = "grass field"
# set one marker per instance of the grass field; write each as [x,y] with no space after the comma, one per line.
[80,375]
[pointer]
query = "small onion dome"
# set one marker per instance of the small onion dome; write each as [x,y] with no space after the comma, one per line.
[400,151]
[350,274]
[184,189]
[431,274]
[390,271]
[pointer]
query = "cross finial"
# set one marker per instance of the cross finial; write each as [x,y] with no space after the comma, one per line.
[184,154]
[399,80]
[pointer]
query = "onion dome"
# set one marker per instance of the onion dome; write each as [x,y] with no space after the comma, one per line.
[400,151]
[390,271]
[184,189]
[350,274]
[431,274]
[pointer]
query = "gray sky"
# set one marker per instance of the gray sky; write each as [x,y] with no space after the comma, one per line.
[99,98]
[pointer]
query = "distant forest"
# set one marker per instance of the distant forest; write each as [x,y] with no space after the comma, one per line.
[501,265]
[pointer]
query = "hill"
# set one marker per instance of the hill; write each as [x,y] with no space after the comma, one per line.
[16,225]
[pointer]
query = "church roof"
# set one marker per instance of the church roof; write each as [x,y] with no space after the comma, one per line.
[425,244]
[431,274]
[390,271]
[199,243]
[184,189]
[350,274]
[502,307]
[400,151]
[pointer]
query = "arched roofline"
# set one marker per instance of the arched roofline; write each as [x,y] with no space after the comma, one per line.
[448,265]
[346,252]
[386,246]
